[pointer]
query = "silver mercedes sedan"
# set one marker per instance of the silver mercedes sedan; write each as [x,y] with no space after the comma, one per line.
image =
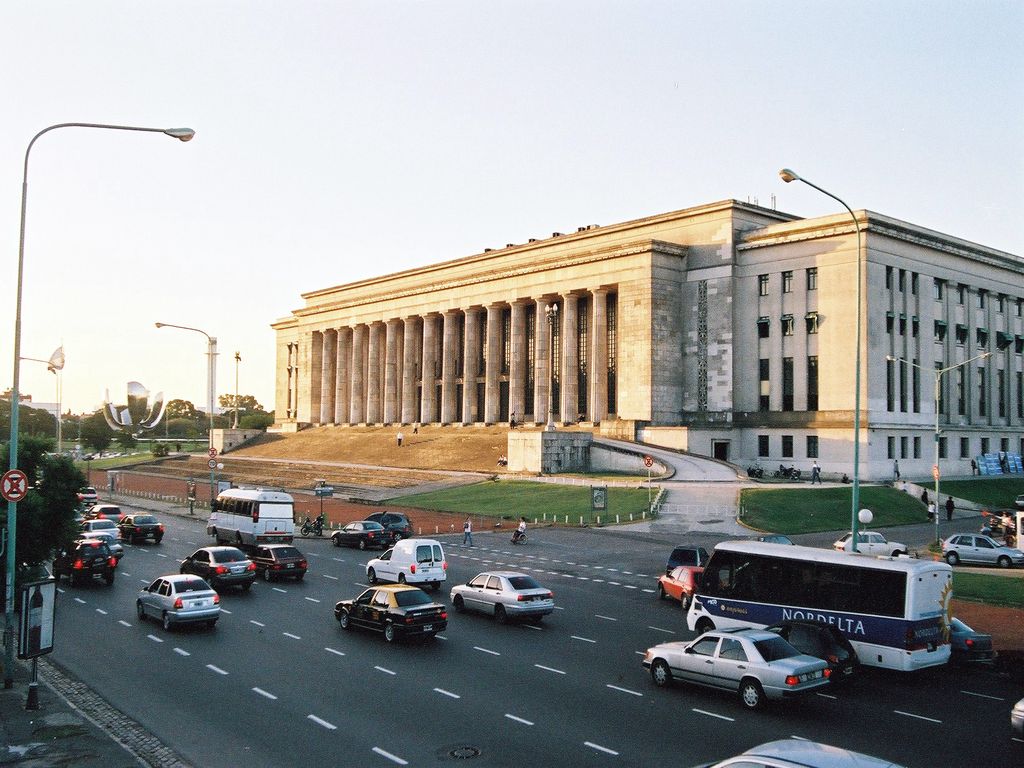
[505,595]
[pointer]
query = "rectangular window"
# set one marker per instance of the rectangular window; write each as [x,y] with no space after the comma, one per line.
[982,399]
[787,383]
[787,446]
[812,279]
[762,327]
[1004,444]
[961,334]
[812,382]
[1020,394]
[890,386]
[1001,396]
[915,374]
[913,283]
[984,445]
[762,285]
[961,294]
[891,446]
[1020,307]
[890,319]
[811,319]
[787,325]
[787,281]
[917,447]
[888,278]
[965,447]
[942,448]
[961,392]
[903,280]
[915,326]
[982,295]
[903,386]
[938,289]
[764,383]
[982,336]
[762,446]
[903,447]
[940,330]
[812,446]
[1000,303]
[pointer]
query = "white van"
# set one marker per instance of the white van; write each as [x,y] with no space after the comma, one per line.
[410,561]
[246,517]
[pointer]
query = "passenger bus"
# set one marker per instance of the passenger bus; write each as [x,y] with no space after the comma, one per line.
[894,610]
[246,517]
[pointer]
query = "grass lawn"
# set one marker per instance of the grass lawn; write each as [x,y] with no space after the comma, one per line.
[991,590]
[994,492]
[806,510]
[535,501]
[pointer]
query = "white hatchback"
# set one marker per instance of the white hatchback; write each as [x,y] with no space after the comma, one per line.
[410,561]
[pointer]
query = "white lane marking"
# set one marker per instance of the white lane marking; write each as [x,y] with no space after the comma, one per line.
[312,600]
[324,723]
[983,696]
[160,554]
[918,717]
[385,670]
[389,756]
[606,618]
[225,610]
[599,568]
[123,623]
[533,626]
[100,610]
[583,578]
[486,650]
[282,591]
[584,639]
[643,575]
[627,573]
[328,576]
[568,562]
[613,570]
[440,637]
[337,560]
[443,692]
[614,584]
[289,634]
[712,714]
[649,591]
[314,554]
[598,581]
[568,575]
[182,652]
[218,670]
[632,586]
[518,719]
[599,748]
[336,653]
[549,669]
[624,690]
[659,629]
[80,600]
[826,695]
[265,694]
[559,608]
[154,638]
[59,590]
[257,623]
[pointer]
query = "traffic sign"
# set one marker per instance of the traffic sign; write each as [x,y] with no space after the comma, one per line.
[212,463]
[213,453]
[935,471]
[648,461]
[324,490]
[14,485]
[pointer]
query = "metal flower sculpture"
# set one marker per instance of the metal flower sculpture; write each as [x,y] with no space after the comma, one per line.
[138,414]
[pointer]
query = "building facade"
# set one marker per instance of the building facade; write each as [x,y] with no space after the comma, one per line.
[727,329]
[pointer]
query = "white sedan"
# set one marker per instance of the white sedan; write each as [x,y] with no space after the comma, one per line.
[871,543]
[505,595]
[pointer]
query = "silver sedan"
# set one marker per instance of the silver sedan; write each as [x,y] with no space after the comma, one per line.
[179,599]
[504,594]
[977,548]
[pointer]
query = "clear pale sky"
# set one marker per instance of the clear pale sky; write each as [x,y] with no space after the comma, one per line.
[341,140]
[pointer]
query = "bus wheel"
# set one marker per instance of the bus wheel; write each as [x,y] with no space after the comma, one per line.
[704,624]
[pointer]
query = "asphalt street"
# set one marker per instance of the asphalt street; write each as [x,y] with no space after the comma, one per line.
[278,682]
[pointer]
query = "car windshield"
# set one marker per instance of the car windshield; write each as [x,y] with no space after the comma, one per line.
[191,585]
[229,556]
[410,597]
[685,557]
[775,648]
[144,519]
[523,582]
[369,525]
[282,552]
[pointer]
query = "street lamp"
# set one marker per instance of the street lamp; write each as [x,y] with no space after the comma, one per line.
[788,175]
[211,385]
[54,365]
[938,388]
[552,314]
[182,134]
[238,359]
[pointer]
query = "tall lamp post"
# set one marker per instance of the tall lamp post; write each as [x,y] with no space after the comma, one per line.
[211,385]
[939,372]
[54,365]
[238,359]
[788,175]
[552,314]
[182,134]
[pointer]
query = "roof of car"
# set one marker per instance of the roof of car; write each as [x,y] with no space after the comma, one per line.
[176,577]
[817,755]
[397,587]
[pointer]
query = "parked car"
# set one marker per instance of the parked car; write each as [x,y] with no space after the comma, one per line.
[1019,502]
[396,610]
[105,512]
[799,753]
[85,559]
[968,646]
[758,665]
[696,557]
[413,561]
[978,548]
[140,527]
[87,495]
[363,534]
[823,641]
[279,561]
[504,595]
[871,543]
[775,538]
[680,584]
[221,567]
[179,599]
[397,524]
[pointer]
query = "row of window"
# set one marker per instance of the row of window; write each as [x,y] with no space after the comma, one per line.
[811,274]
[898,278]
[897,378]
[910,447]
[787,324]
[981,335]
[764,383]
[764,446]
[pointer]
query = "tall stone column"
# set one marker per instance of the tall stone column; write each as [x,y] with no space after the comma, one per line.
[343,388]
[328,357]
[448,355]
[411,343]
[311,398]
[517,364]
[374,361]
[541,363]
[597,377]
[358,404]
[471,409]
[570,360]
[428,406]
[391,393]
[492,408]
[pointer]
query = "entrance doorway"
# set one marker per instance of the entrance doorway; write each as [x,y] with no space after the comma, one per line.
[720,449]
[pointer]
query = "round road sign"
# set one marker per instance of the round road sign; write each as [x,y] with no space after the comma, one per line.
[212,463]
[14,485]
[213,453]
[648,461]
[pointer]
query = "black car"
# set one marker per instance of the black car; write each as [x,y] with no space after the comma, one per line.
[397,610]
[221,567]
[397,524]
[686,555]
[85,559]
[969,647]
[140,527]
[815,638]
[363,534]
[279,561]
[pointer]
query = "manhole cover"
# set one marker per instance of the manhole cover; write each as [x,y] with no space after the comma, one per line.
[463,753]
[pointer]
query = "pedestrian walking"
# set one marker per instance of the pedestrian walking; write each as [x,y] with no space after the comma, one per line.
[931,512]
[400,438]
[974,467]
[815,474]
[896,470]
[949,508]
[512,420]
[416,428]
[467,532]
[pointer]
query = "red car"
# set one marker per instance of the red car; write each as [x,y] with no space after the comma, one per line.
[680,584]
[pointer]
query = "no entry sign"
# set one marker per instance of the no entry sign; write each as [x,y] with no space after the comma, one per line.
[14,485]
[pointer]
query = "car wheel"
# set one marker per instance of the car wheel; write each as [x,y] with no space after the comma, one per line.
[401,578]
[389,632]
[685,601]
[371,575]
[211,623]
[1003,562]
[140,611]
[499,614]
[459,603]
[362,544]
[896,553]
[704,624]
[343,620]
[952,558]
[266,575]
[247,586]
[167,621]
[751,694]
[661,592]
[660,673]
[109,578]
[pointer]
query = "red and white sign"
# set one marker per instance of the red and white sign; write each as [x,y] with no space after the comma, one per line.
[935,471]
[213,453]
[648,461]
[212,463]
[14,485]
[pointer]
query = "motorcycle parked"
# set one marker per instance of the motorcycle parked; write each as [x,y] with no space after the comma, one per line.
[313,526]
[787,473]
[756,471]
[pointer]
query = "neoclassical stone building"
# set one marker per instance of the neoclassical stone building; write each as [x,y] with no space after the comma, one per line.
[725,329]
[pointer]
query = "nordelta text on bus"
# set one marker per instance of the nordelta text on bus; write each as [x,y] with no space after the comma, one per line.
[894,610]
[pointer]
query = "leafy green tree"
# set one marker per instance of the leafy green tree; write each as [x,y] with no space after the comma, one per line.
[31,452]
[126,440]
[46,516]
[31,421]
[246,404]
[181,409]
[182,428]
[256,421]
[95,432]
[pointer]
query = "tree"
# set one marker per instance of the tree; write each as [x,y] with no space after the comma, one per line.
[46,516]
[256,421]
[32,450]
[95,432]
[246,404]
[126,440]
[181,409]
[31,421]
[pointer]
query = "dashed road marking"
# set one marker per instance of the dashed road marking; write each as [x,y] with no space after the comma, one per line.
[385,670]
[123,623]
[154,638]
[328,576]
[624,690]
[182,652]
[518,719]
[659,629]
[486,650]
[606,618]
[332,650]
[312,599]
[101,611]
[449,694]
[917,717]
[983,696]
[389,756]
[218,670]
[324,723]
[282,591]
[257,623]
[584,639]
[599,748]
[712,714]
[549,669]
[80,600]
[265,694]
[289,634]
